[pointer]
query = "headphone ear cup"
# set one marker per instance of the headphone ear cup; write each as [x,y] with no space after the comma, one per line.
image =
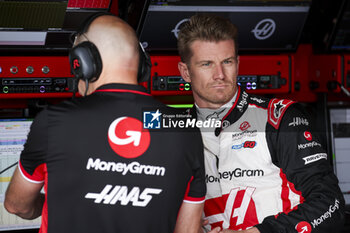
[145,64]
[85,61]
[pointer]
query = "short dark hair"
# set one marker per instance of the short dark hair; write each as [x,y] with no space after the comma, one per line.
[205,27]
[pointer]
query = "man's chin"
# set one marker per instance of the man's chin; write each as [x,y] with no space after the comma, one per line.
[221,101]
[221,96]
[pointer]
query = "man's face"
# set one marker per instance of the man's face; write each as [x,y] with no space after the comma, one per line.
[212,72]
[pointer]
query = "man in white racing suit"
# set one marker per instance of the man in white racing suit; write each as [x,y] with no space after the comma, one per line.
[266,170]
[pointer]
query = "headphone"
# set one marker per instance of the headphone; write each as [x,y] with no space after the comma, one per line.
[85,59]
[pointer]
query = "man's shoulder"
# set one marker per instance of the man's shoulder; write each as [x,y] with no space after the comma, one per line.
[65,105]
[276,110]
[259,101]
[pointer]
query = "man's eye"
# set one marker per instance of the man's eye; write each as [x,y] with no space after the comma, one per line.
[206,64]
[228,62]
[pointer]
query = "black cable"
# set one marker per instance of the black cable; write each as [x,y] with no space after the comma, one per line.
[344,89]
[12,165]
[86,87]
[75,88]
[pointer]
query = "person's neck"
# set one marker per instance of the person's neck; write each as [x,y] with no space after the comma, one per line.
[120,77]
[208,105]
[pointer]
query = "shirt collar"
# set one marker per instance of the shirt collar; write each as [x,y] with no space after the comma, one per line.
[121,87]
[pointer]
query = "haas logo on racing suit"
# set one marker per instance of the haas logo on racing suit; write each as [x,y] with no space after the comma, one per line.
[235,210]
[244,126]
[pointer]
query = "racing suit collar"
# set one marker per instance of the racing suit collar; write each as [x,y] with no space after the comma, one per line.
[238,107]
[237,110]
[219,113]
[234,113]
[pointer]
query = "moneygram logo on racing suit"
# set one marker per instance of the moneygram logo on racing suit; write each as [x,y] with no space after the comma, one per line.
[246,133]
[237,173]
[305,227]
[308,145]
[327,214]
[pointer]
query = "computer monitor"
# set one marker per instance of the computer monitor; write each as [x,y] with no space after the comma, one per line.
[329,26]
[340,130]
[36,25]
[267,25]
[339,37]
[13,135]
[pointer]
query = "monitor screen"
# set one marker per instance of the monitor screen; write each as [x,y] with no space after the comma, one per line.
[340,39]
[13,135]
[262,25]
[340,128]
[42,25]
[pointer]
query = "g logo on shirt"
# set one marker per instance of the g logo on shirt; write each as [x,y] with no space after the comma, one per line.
[303,227]
[127,137]
[308,135]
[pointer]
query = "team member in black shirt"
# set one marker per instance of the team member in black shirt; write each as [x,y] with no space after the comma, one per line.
[100,169]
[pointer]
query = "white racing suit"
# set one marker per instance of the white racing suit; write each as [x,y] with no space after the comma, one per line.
[269,171]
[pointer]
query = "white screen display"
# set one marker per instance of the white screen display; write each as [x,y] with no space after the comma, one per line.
[13,135]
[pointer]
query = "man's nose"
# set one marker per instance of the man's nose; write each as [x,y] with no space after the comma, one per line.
[219,72]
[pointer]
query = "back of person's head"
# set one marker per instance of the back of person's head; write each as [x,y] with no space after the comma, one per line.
[110,45]
[115,40]
[204,27]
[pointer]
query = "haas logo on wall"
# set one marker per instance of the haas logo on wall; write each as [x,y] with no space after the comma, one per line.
[127,137]
[177,27]
[264,29]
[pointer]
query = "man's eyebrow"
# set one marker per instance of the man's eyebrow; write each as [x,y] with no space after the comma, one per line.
[203,61]
[209,61]
[232,57]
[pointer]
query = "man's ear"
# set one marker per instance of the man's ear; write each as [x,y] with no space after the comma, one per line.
[185,74]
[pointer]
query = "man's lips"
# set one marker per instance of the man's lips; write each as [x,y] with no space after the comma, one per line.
[219,86]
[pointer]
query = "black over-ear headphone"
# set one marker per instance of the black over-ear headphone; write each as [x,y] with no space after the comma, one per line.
[86,62]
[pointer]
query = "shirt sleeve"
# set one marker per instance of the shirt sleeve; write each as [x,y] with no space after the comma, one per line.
[196,188]
[297,150]
[32,159]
